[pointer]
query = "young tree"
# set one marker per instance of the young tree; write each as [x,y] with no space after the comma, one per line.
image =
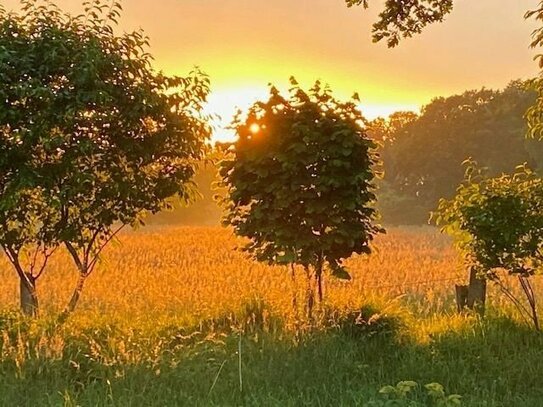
[498,224]
[103,136]
[25,236]
[300,182]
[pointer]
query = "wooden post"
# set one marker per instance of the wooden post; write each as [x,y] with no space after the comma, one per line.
[472,296]
[461,297]
[476,292]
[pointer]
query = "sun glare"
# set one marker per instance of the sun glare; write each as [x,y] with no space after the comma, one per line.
[225,102]
[255,128]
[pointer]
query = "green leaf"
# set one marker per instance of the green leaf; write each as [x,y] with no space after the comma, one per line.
[341,273]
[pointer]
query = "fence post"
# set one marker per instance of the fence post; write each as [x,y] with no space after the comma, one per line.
[472,296]
[476,292]
[461,296]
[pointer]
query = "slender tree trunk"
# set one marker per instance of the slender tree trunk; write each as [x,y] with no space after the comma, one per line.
[530,296]
[70,308]
[29,297]
[310,294]
[294,290]
[318,277]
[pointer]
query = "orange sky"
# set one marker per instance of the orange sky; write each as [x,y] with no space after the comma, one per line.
[245,44]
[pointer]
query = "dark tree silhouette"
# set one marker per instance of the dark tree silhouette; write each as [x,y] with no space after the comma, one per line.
[300,182]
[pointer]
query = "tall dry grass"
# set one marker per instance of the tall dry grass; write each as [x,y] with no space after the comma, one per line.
[196,273]
[190,274]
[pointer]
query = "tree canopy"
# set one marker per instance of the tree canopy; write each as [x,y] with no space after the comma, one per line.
[300,181]
[89,130]
[422,155]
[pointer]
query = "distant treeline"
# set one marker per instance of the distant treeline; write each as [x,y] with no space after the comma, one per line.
[422,154]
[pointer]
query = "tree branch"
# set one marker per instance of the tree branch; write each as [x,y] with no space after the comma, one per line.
[101,248]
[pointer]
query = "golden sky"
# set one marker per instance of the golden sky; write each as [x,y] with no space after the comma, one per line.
[246,44]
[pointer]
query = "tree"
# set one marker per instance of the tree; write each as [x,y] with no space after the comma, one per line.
[101,138]
[300,182]
[24,234]
[498,224]
[405,18]
[422,155]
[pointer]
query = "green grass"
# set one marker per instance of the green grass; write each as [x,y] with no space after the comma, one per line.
[495,363]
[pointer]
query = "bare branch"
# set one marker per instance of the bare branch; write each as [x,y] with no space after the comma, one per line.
[101,248]
[45,260]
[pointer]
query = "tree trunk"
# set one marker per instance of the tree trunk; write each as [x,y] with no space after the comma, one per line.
[310,294]
[70,308]
[294,290]
[318,277]
[29,297]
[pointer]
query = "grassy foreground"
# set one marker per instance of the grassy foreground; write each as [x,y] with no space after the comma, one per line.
[163,320]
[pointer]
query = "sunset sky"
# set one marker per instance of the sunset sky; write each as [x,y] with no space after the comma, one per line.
[245,44]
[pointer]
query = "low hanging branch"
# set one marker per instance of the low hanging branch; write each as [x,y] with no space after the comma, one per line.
[405,18]
[523,311]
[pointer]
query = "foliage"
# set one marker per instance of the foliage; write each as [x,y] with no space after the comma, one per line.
[89,130]
[300,181]
[399,396]
[422,155]
[498,223]
[366,322]
[535,113]
[403,19]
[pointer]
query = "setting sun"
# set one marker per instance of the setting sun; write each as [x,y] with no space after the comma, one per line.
[324,40]
[255,128]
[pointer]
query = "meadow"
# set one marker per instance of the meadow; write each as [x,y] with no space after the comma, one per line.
[177,316]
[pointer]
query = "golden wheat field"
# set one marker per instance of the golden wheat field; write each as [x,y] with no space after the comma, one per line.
[191,274]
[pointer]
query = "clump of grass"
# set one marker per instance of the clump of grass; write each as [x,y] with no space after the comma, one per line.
[368,322]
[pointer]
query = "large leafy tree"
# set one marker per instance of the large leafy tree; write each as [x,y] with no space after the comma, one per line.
[90,131]
[422,155]
[300,182]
